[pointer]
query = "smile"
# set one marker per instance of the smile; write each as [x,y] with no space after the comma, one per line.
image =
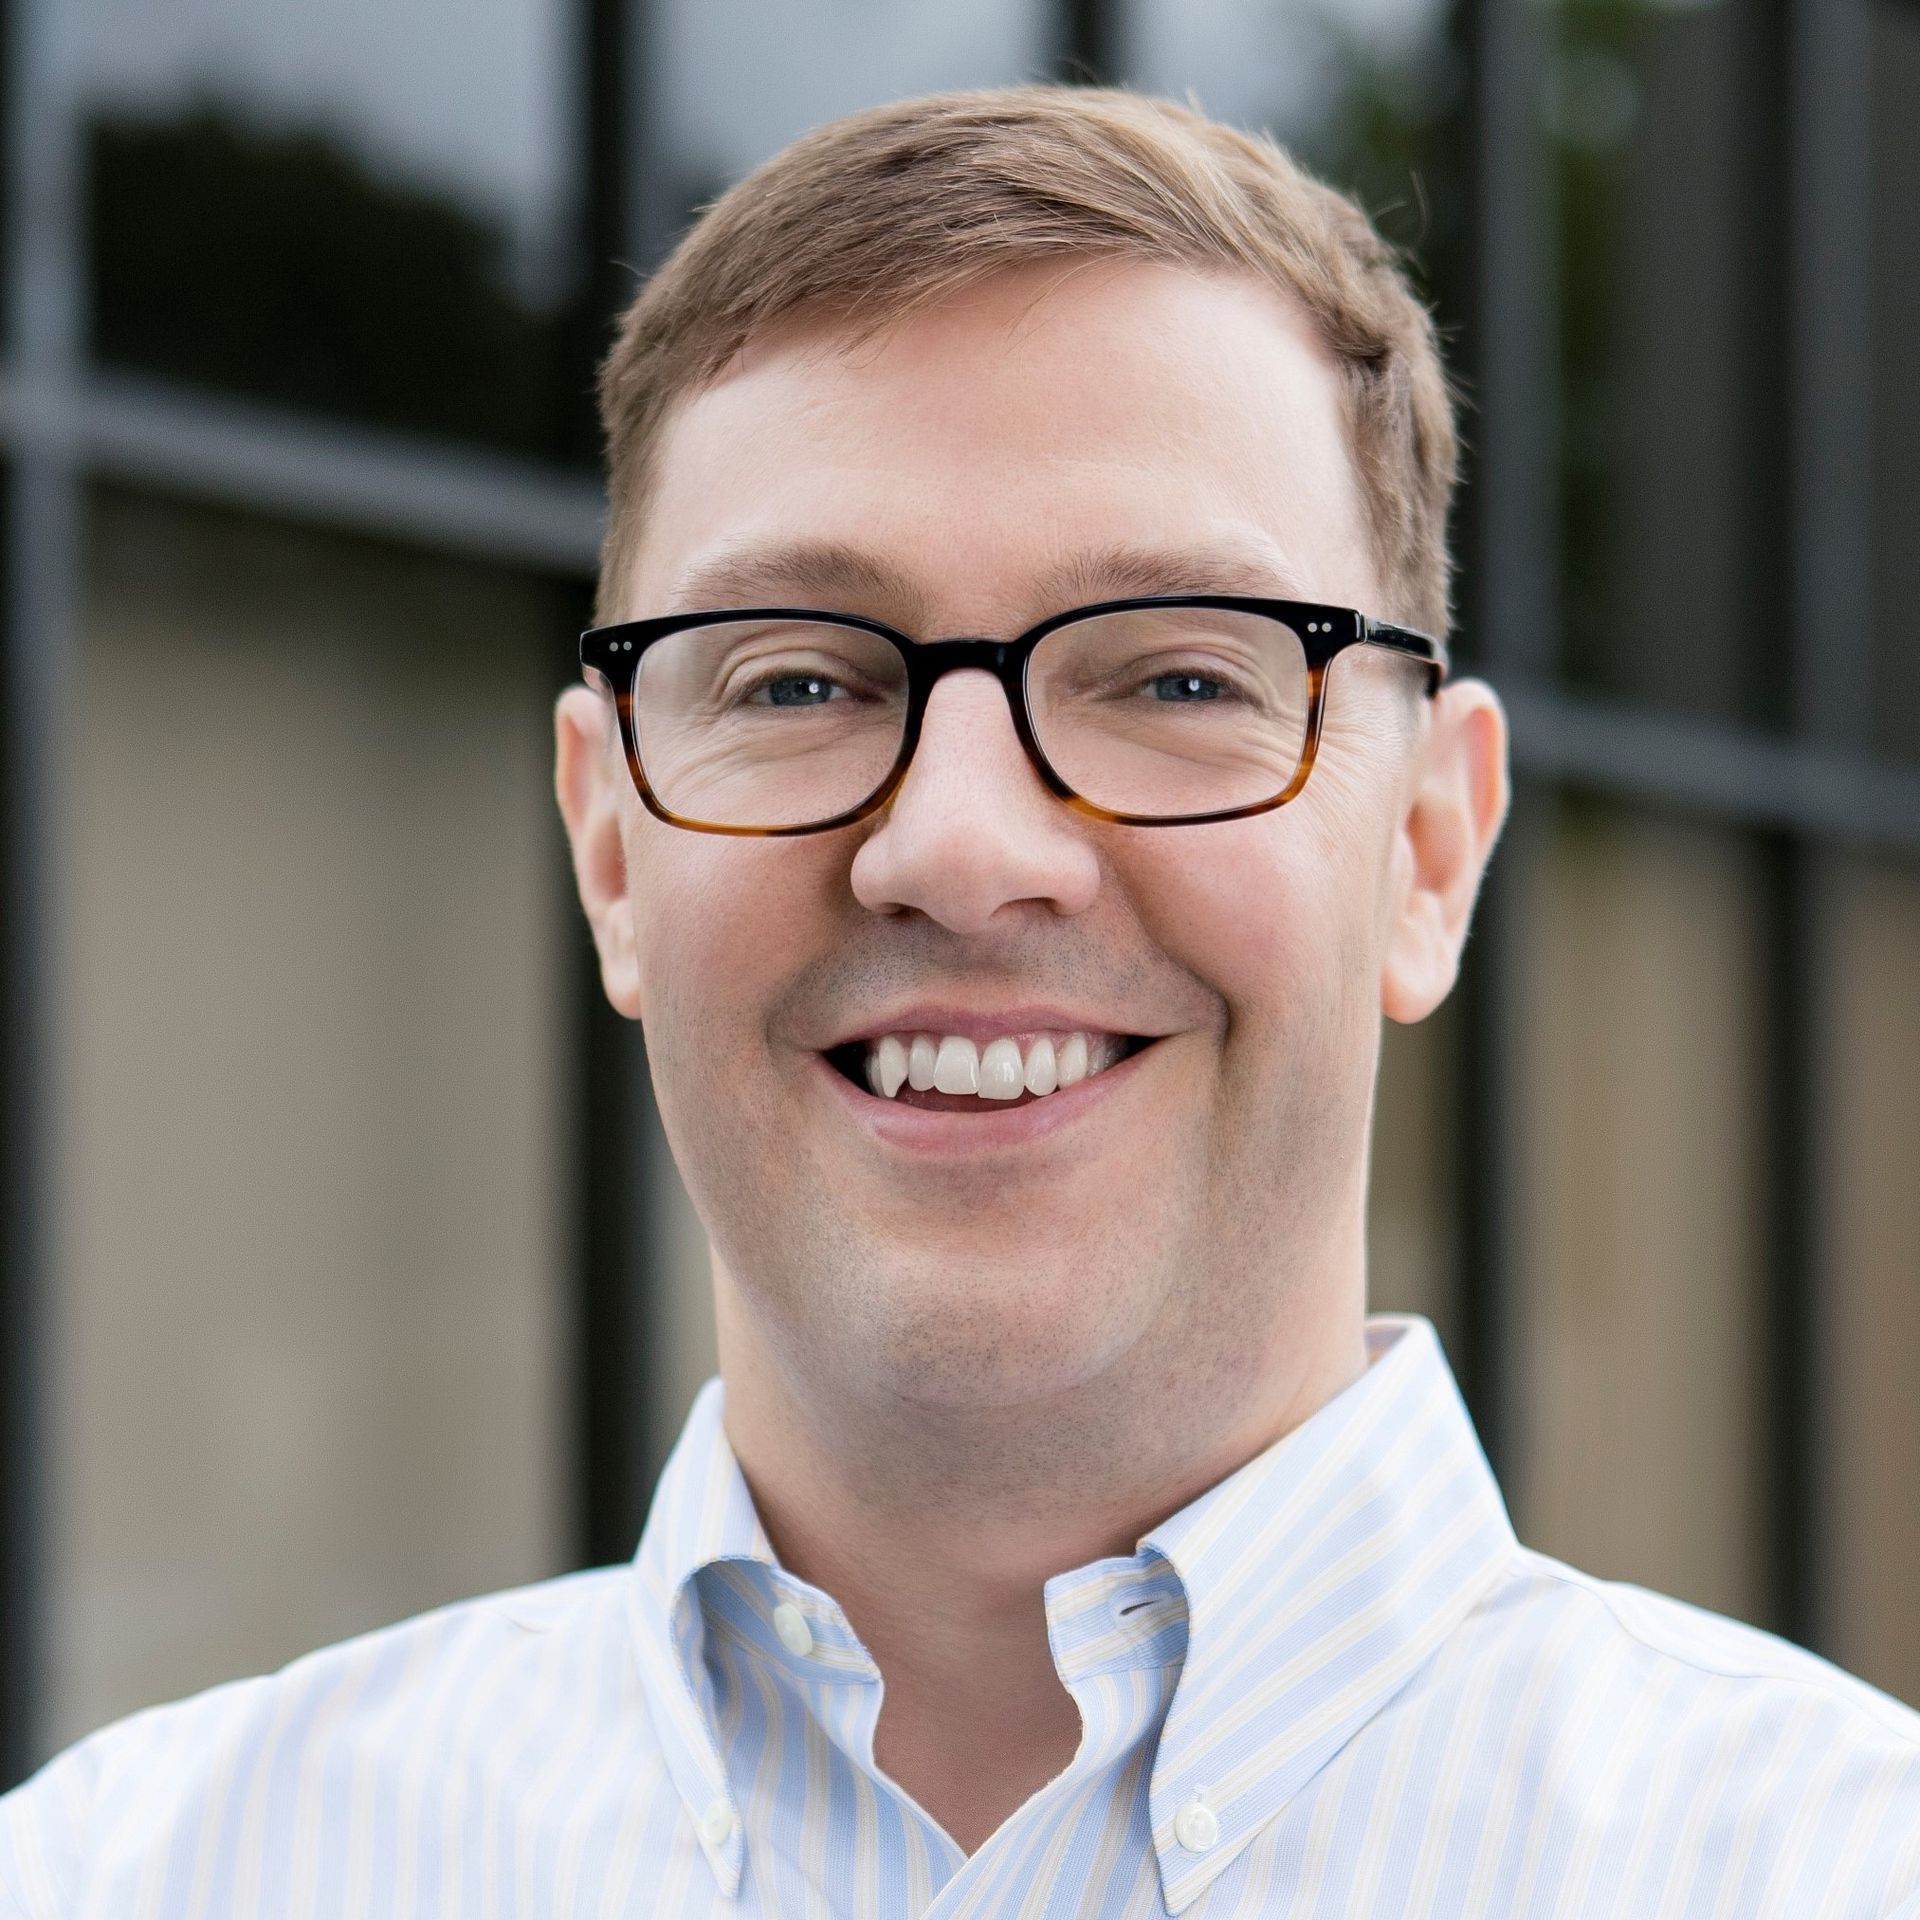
[953,1072]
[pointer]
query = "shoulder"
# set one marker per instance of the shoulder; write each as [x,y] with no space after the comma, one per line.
[309,1749]
[1690,1747]
[1765,1671]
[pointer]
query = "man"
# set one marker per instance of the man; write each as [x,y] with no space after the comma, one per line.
[1015,774]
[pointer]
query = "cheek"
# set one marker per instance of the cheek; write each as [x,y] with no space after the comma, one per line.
[718,923]
[1274,915]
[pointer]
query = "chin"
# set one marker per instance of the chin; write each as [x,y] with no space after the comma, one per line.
[998,1336]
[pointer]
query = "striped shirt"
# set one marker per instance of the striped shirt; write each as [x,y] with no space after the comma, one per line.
[1332,1685]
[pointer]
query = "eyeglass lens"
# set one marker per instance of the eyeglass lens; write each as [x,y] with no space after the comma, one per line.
[1159,711]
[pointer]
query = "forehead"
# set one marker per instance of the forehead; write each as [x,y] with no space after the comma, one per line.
[1053,435]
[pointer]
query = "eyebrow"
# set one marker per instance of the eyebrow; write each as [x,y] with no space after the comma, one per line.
[825,570]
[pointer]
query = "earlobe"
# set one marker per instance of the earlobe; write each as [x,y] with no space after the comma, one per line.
[1455,809]
[589,795]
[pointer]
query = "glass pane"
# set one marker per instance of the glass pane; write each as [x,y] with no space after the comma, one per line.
[733,84]
[310,1309]
[1640,1440]
[1645,117]
[1896,377]
[1340,82]
[1874,1255]
[361,208]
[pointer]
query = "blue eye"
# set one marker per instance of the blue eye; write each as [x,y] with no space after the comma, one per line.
[798,690]
[1182,687]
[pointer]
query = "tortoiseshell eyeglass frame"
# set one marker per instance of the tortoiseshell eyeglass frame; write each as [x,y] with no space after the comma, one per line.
[611,654]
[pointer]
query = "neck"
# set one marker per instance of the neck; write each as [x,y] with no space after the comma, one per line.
[935,1529]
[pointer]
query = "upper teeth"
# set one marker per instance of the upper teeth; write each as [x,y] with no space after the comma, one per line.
[1002,1070]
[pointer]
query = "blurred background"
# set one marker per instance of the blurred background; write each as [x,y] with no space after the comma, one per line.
[344,1269]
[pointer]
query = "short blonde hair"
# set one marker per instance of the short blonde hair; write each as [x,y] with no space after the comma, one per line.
[868,217]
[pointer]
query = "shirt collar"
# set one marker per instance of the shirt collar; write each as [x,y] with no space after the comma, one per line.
[1319,1578]
[702,1514]
[1316,1579]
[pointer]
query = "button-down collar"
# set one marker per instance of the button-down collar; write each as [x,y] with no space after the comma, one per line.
[1319,1578]
[702,1516]
[1290,1601]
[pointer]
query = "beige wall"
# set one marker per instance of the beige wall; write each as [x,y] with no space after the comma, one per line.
[1872,1394]
[307,1357]
[1639,1437]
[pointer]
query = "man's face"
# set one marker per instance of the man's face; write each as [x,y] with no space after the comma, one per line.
[1165,1220]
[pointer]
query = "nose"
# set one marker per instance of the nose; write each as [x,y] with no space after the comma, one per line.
[972,828]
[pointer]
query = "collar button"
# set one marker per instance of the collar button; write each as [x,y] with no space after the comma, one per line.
[791,1625]
[716,1824]
[1196,1827]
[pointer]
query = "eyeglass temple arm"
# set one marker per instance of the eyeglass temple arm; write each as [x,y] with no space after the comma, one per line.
[1431,653]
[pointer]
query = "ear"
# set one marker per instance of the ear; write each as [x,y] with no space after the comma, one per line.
[590,781]
[1456,802]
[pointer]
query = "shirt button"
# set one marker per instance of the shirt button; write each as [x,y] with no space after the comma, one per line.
[791,1625]
[1195,1827]
[716,1824]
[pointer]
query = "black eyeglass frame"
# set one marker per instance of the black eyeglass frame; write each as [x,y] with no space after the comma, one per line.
[613,652]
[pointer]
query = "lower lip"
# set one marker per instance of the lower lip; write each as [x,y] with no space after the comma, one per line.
[936,1134]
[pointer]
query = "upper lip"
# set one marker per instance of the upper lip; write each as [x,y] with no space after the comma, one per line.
[981,1025]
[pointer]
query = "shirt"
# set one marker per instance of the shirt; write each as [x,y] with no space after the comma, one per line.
[1332,1685]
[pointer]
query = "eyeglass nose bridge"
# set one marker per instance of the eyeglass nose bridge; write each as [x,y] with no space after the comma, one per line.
[930,661]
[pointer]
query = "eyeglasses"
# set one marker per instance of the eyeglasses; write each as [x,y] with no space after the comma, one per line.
[1168,710]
